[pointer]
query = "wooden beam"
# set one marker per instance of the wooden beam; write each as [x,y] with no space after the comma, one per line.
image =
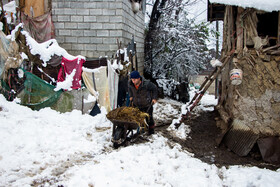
[278,28]
[239,30]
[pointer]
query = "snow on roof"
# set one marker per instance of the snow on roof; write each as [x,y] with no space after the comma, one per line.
[268,6]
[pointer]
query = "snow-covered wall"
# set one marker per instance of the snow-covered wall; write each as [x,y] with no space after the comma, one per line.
[91,28]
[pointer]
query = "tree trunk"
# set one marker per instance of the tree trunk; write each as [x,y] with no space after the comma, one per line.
[155,16]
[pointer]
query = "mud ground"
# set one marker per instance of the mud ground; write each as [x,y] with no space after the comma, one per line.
[204,142]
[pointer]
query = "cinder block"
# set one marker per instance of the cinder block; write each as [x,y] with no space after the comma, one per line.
[103,19]
[90,18]
[59,39]
[54,4]
[119,12]
[96,40]
[84,40]
[78,47]
[113,47]
[102,33]
[115,33]
[89,33]
[70,11]
[90,5]
[109,12]
[90,47]
[58,25]
[83,26]
[71,39]
[64,32]
[75,5]
[109,25]
[116,19]
[96,26]
[77,32]
[58,11]
[95,12]
[102,47]
[109,40]
[77,18]
[63,18]
[54,19]
[83,11]
[70,25]
[66,46]
[115,5]
[84,53]
[102,5]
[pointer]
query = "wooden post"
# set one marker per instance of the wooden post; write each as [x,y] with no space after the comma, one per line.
[278,28]
[239,30]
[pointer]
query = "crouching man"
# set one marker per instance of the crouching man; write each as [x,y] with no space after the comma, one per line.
[143,94]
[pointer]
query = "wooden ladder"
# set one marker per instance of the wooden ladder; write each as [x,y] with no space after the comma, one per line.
[205,85]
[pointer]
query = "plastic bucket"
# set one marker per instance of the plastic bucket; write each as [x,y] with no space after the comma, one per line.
[236,76]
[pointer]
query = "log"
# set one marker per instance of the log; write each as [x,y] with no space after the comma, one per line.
[275,52]
[269,48]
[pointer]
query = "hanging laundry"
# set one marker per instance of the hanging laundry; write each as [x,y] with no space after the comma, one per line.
[102,87]
[68,66]
[89,81]
[113,78]
[41,28]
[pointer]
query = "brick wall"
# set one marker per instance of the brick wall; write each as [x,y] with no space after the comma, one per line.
[91,27]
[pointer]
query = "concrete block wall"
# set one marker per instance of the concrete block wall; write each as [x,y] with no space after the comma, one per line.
[91,27]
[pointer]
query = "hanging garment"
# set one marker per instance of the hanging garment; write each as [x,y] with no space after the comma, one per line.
[113,79]
[89,81]
[40,28]
[102,87]
[67,67]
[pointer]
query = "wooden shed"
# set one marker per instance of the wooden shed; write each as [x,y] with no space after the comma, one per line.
[249,103]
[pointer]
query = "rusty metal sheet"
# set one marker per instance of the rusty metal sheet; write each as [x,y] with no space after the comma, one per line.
[240,138]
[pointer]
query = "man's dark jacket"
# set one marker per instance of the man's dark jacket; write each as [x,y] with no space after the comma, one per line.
[143,96]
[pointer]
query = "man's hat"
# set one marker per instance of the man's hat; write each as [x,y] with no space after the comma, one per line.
[134,75]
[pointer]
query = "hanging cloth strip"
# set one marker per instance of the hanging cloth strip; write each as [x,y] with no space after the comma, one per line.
[67,67]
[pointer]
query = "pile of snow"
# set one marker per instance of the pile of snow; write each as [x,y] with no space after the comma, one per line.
[48,148]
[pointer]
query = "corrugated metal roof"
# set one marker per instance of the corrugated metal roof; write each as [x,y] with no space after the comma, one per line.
[240,138]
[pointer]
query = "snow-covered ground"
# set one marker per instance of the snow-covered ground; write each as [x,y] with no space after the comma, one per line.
[47,148]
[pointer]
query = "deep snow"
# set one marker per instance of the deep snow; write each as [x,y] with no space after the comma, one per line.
[49,148]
